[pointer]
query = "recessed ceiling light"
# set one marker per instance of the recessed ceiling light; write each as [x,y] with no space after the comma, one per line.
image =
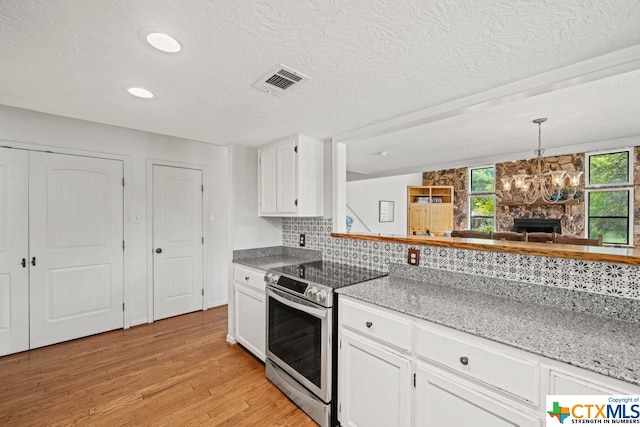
[382,153]
[140,92]
[163,42]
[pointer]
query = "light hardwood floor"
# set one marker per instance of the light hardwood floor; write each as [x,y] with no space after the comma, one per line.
[177,371]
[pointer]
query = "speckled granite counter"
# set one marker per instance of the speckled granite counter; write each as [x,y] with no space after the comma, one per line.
[603,345]
[274,256]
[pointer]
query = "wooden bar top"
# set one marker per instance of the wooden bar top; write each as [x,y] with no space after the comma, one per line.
[590,253]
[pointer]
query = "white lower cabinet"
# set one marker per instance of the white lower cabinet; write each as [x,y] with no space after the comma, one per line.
[443,399]
[397,370]
[563,382]
[250,310]
[375,384]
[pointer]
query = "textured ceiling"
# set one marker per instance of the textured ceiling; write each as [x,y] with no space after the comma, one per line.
[592,113]
[369,61]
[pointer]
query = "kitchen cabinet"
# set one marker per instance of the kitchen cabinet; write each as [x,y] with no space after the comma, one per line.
[291,177]
[430,208]
[250,312]
[445,377]
[566,383]
[461,382]
[443,399]
[515,376]
[374,374]
[366,399]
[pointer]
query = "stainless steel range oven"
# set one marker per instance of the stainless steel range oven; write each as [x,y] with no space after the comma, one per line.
[301,328]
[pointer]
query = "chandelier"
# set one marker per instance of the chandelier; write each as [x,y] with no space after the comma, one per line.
[555,186]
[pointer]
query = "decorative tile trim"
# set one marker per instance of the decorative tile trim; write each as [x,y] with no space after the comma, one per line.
[587,276]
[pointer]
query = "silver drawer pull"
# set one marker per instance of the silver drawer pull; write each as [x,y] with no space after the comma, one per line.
[464,360]
[369,324]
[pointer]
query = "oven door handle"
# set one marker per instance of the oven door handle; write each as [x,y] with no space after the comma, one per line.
[301,305]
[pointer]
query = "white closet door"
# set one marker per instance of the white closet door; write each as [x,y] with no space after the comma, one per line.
[76,234]
[14,247]
[177,240]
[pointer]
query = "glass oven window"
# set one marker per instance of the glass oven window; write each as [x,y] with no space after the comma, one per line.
[296,338]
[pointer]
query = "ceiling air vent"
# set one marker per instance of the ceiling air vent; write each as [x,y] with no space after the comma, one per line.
[280,80]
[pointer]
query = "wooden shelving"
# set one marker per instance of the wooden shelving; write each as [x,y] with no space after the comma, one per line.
[429,208]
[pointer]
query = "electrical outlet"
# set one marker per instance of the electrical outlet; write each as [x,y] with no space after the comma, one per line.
[303,239]
[414,257]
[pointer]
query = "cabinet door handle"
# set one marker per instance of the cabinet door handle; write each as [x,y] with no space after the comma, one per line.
[33,261]
[369,324]
[246,278]
[464,360]
[24,262]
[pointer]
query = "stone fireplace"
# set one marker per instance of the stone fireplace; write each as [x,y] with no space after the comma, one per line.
[535,225]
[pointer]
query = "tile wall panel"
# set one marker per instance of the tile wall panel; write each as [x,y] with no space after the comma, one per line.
[589,276]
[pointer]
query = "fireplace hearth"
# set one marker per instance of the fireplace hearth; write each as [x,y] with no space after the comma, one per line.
[537,225]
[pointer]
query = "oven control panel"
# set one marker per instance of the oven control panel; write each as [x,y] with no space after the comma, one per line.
[271,278]
[314,292]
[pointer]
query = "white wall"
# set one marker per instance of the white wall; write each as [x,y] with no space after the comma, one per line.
[28,129]
[364,195]
[248,229]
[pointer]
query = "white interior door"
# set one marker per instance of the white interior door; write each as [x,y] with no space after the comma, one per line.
[177,241]
[14,247]
[76,253]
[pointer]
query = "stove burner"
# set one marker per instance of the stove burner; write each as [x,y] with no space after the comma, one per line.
[327,273]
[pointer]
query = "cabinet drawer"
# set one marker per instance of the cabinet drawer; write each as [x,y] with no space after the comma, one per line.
[249,276]
[561,383]
[443,399]
[377,324]
[504,371]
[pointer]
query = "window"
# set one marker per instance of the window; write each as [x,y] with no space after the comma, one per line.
[609,196]
[482,198]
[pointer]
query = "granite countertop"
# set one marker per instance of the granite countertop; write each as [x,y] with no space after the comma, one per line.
[274,256]
[272,261]
[606,346]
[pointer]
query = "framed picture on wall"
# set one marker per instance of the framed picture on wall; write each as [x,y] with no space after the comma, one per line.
[385,210]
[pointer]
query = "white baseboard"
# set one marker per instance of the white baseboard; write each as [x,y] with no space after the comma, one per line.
[218,303]
[139,322]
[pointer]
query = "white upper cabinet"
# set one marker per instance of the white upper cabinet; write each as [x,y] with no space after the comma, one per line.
[291,177]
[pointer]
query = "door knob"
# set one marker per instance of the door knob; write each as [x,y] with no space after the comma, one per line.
[159,250]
